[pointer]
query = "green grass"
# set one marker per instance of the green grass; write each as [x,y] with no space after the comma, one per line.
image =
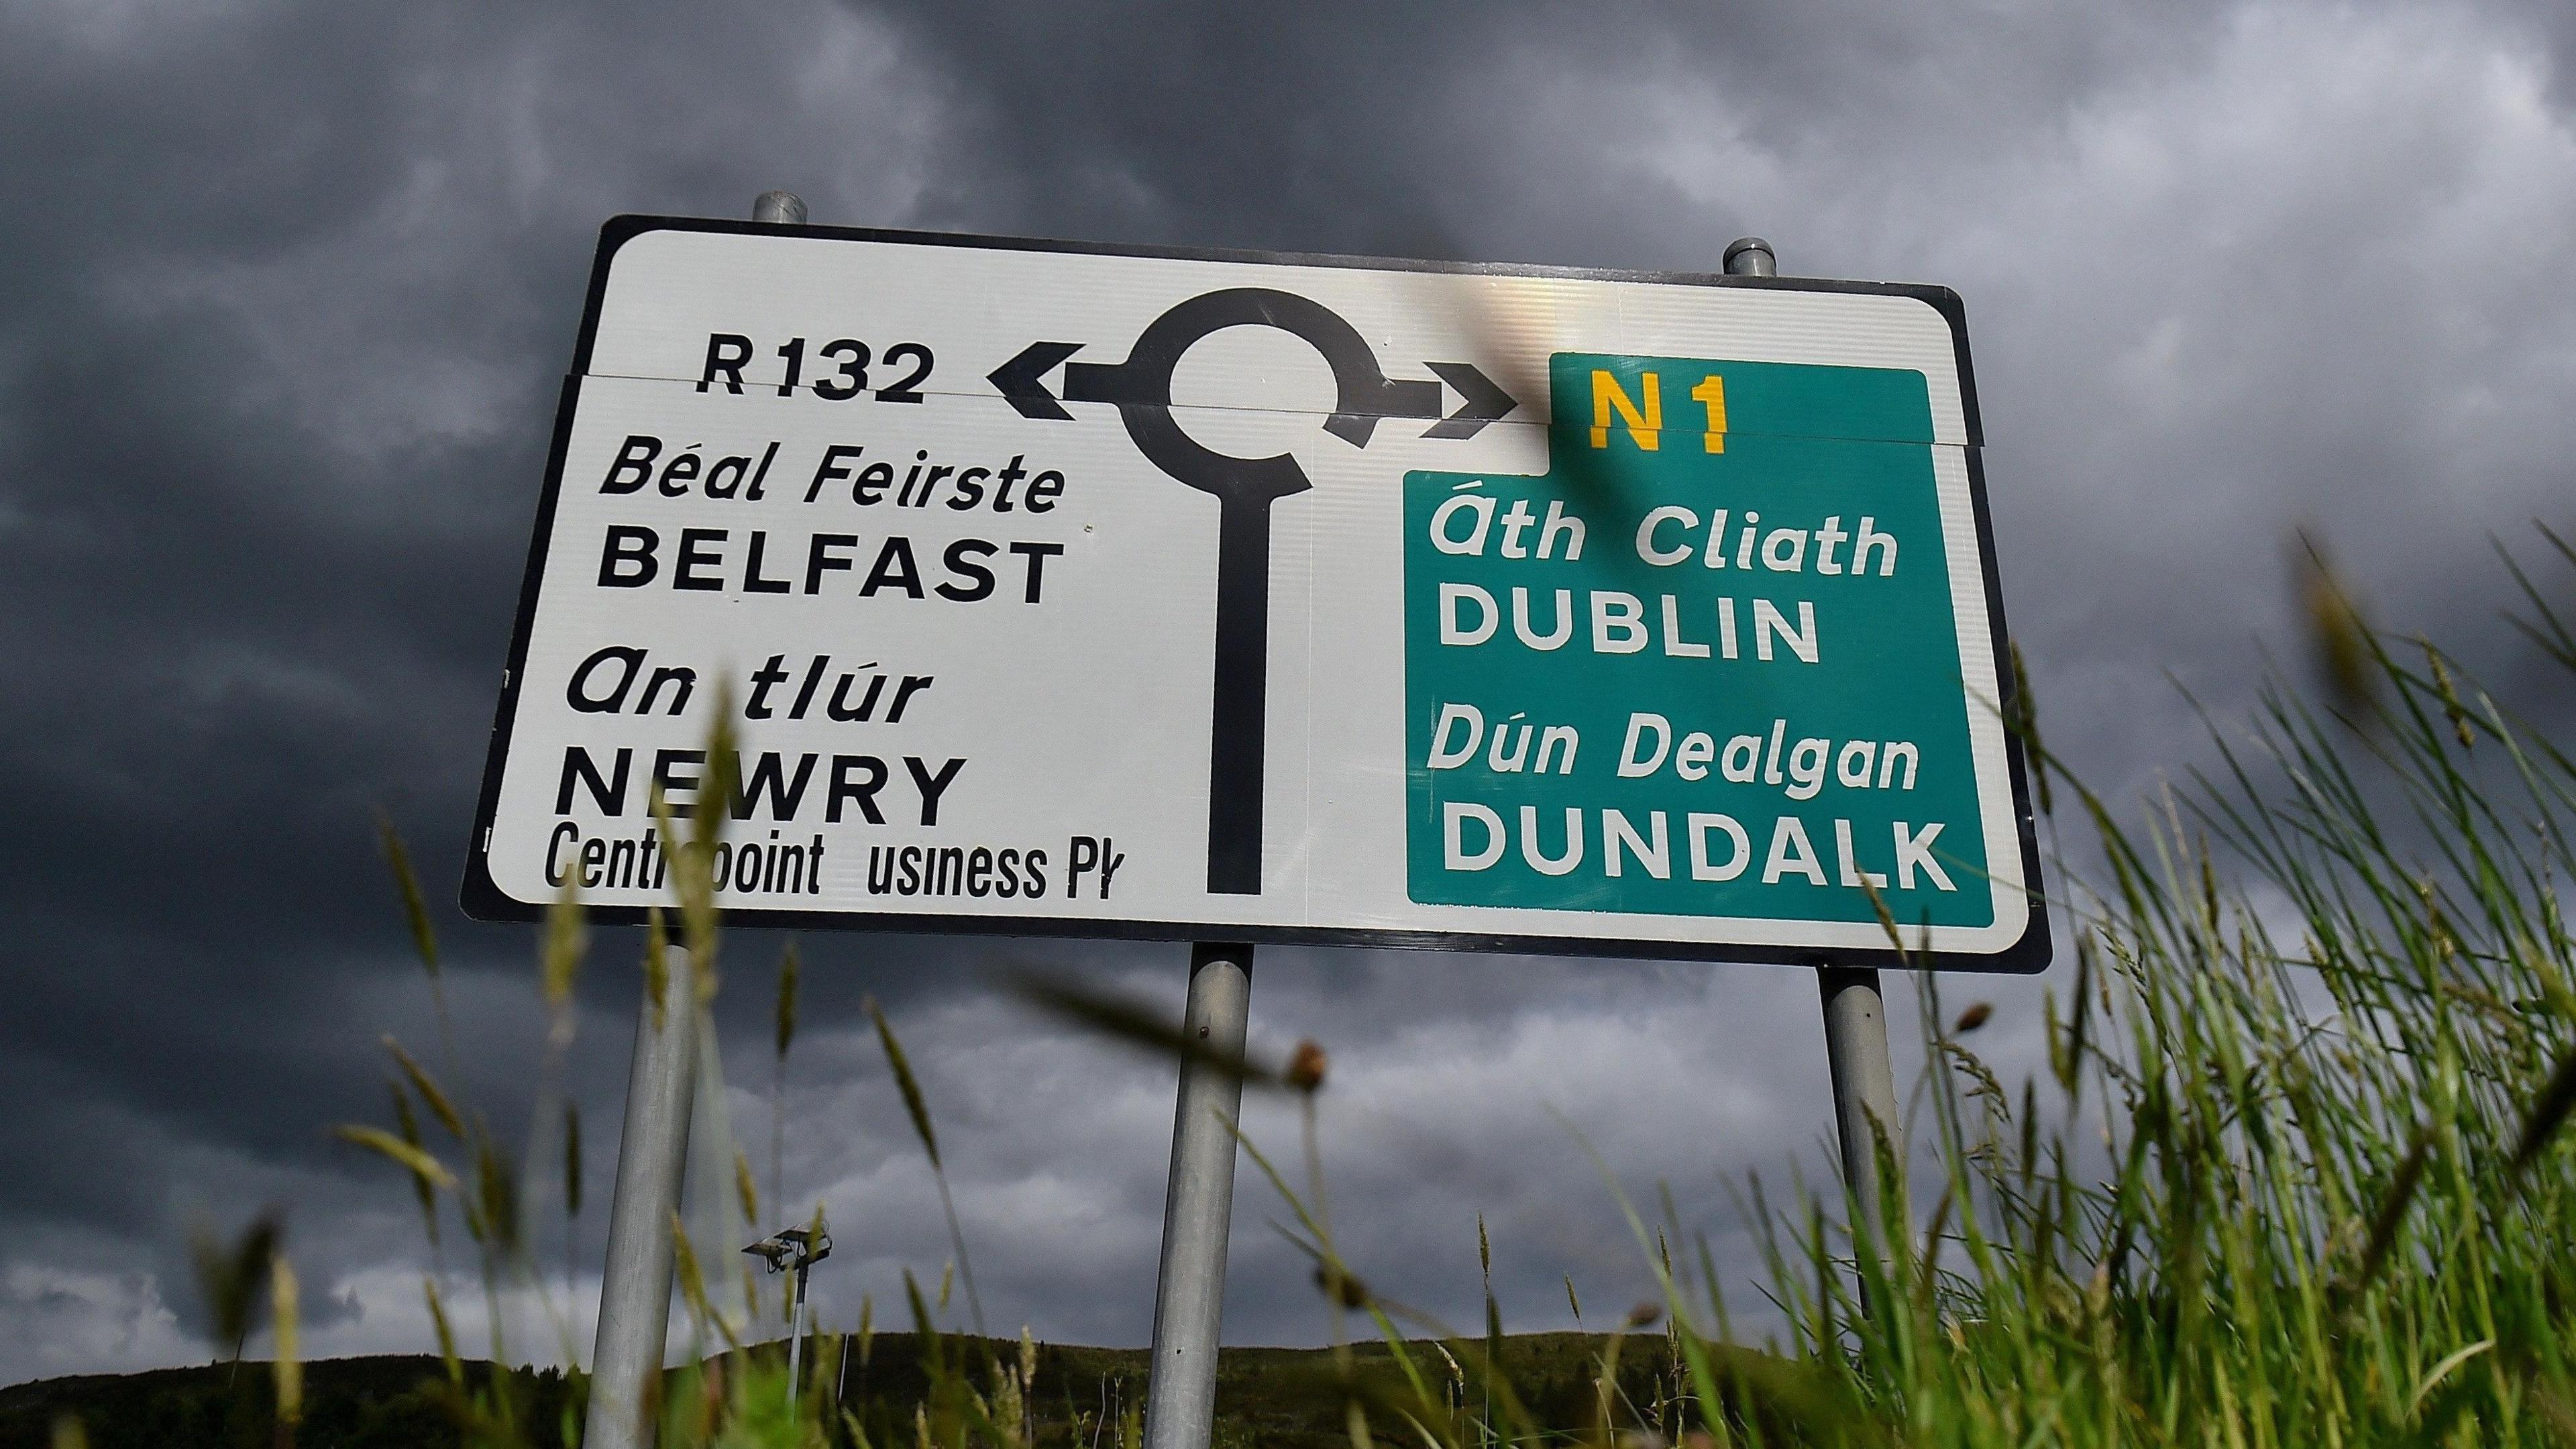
[2292,1176]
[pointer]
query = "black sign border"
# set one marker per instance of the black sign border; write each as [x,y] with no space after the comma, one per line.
[483,899]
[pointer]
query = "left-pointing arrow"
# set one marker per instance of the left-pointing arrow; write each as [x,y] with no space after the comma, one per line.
[1021,380]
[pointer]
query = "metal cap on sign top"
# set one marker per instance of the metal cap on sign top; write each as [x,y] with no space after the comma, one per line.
[782,208]
[1750,256]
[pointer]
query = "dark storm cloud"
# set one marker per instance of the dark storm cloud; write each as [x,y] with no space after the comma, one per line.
[291,287]
[1405,128]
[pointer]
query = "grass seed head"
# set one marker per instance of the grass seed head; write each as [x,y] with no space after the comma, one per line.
[496,1195]
[722,782]
[287,1367]
[657,964]
[915,1105]
[1342,1287]
[693,1282]
[232,1277]
[418,1161]
[2336,630]
[1306,1069]
[693,884]
[567,939]
[786,1024]
[427,1086]
[2023,719]
[2452,709]
[1886,918]
[1130,1023]
[408,1122]
[446,1333]
[745,1188]
[424,940]
[572,1158]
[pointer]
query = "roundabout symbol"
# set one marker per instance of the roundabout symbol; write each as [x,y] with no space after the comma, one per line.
[1141,388]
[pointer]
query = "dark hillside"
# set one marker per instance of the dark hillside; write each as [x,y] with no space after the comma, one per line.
[1280,1398]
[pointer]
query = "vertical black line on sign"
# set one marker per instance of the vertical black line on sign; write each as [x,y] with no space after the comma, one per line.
[1239,718]
[1244,489]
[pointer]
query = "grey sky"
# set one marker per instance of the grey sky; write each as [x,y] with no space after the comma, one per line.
[291,287]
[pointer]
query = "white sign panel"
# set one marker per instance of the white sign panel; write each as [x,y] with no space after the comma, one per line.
[1064,589]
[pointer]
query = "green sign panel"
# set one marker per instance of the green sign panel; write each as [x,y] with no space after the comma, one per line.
[1707,664]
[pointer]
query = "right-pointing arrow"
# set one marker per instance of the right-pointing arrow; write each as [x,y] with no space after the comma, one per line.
[1022,380]
[1484,402]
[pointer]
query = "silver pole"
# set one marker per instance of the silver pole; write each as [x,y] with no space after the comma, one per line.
[1198,1205]
[1855,1016]
[1864,1080]
[635,1287]
[652,1153]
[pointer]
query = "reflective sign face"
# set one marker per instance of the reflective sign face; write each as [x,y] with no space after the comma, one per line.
[1072,590]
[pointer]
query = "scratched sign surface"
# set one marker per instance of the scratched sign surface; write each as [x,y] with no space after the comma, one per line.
[1056,589]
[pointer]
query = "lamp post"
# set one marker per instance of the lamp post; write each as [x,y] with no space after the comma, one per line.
[797,1250]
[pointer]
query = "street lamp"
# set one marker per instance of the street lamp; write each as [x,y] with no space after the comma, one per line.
[799,1249]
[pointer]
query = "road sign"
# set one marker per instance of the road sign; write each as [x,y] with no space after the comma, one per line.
[1083,590]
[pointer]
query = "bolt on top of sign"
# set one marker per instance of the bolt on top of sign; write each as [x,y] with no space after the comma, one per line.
[1063,589]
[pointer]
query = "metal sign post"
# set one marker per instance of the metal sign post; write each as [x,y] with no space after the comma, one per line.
[1198,1204]
[1864,1084]
[652,1152]
[1855,1016]
[635,1285]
